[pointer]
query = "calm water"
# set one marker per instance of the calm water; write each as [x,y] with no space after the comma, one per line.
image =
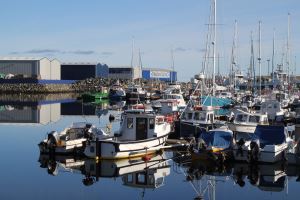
[26,175]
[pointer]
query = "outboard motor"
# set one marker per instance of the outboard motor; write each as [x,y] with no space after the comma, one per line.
[52,167]
[53,139]
[254,151]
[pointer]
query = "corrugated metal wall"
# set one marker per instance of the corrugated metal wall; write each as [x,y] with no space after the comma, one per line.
[77,72]
[28,68]
[28,115]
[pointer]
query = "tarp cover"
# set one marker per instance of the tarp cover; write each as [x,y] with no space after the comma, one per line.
[269,135]
[218,139]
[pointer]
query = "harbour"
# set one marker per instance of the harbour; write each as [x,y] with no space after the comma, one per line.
[150,105]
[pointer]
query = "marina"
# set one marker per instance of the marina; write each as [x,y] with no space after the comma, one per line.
[219,120]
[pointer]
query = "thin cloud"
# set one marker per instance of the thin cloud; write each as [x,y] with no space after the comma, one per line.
[42,51]
[83,52]
[107,53]
[180,49]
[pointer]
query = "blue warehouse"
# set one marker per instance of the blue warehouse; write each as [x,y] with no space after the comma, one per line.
[159,74]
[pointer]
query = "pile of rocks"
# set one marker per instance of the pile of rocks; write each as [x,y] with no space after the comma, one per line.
[34,88]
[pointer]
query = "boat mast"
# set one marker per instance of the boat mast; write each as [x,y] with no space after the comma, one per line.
[259,55]
[172,64]
[131,64]
[233,56]
[252,64]
[288,53]
[273,57]
[140,67]
[214,46]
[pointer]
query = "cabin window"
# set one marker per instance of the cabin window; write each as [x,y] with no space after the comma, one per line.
[129,178]
[190,115]
[141,178]
[211,117]
[92,149]
[151,123]
[254,119]
[202,116]
[129,122]
[197,116]
[241,118]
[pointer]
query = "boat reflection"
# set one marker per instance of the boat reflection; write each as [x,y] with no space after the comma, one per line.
[147,172]
[205,175]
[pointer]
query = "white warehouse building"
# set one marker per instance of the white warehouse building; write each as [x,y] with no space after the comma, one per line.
[27,67]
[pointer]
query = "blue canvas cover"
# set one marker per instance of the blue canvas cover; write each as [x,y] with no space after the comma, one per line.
[218,139]
[269,135]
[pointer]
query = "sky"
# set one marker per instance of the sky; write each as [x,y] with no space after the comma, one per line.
[103,31]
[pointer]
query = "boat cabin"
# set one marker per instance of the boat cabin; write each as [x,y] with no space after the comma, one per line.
[199,116]
[139,125]
[151,178]
[272,108]
[250,118]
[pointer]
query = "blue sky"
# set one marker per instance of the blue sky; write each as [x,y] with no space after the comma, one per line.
[102,31]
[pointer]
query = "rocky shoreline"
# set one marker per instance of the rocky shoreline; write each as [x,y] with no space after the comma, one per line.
[88,85]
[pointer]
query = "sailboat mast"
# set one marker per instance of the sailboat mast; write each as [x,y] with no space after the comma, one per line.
[214,46]
[273,57]
[259,55]
[131,64]
[288,51]
[173,67]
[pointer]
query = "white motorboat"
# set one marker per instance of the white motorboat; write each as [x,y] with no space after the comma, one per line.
[116,92]
[71,139]
[245,123]
[197,119]
[141,132]
[268,144]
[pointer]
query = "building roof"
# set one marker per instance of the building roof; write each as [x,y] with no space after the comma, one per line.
[80,63]
[157,69]
[23,58]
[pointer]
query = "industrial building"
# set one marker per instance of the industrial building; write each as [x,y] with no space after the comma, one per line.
[159,74]
[40,114]
[135,73]
[24,67]
[118,72]
[80,71]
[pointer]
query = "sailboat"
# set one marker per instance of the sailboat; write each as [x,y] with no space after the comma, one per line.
[199,114]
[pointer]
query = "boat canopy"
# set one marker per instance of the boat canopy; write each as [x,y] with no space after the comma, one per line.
[270,135]
[217,138]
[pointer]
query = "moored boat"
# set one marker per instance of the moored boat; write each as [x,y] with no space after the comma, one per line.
[71,139]
[141,132]
[268,144]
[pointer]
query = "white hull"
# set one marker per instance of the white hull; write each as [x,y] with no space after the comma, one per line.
[270,154]
[72,146]
[242,128]
[119,150]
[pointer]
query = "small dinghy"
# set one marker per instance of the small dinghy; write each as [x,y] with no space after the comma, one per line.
[71,139]
[268,144]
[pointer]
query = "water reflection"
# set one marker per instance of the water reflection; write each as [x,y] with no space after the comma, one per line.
[136,173]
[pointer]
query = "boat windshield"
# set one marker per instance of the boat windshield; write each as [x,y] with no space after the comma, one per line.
[270,135]
[254,119]
[218,139]
[241,118]
[200,116]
